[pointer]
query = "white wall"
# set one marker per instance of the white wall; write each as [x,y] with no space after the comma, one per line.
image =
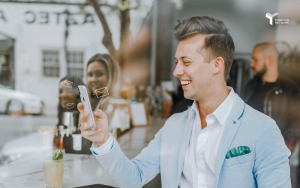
[289,9]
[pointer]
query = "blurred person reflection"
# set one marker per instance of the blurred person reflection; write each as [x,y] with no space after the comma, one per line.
[68,99]
[102,71]
[180,103]
[271,93]
[68,95]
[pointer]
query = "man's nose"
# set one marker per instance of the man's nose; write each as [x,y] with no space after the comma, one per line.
[178,70]
[252,64]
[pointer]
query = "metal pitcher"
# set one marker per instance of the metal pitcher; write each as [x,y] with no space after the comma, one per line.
[68,120]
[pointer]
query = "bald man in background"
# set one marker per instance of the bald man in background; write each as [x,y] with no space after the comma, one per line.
[275,96]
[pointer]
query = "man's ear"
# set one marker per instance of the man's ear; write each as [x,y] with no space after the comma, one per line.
[218,65]
[270,60]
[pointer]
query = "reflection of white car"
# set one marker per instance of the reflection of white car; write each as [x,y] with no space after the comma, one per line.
[16,101]
[20,147]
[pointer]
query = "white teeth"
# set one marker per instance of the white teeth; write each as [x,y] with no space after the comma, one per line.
[185,82]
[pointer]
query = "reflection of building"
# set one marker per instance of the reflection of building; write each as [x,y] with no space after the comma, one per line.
[7,61]
[32,57]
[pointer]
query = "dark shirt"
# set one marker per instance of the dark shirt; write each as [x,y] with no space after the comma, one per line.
[256,100]
[180,103]
[282,103]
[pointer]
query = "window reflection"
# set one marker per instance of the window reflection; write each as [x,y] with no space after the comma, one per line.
[102,71]
[68,96]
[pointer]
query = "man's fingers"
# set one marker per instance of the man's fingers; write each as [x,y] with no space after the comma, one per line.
[80,107]
[89,133]
[99,114]
[83,119]
[84,116]
[86,126]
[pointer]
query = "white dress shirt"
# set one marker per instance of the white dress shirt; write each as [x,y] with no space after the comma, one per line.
[201,157]
[106,147]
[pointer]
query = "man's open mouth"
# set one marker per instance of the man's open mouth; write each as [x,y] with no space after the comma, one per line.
[185,83]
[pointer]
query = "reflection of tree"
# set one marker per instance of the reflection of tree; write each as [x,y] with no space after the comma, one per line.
[107,38]
[124,35]
[120,55]
[124,7]
[289,61]
[127,55]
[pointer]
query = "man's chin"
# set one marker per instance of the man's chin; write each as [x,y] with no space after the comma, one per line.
[258,76]
[187,96]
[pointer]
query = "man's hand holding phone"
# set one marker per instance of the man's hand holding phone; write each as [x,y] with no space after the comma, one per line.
[101,134]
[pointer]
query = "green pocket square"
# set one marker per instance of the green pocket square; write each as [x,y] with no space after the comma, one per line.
[237,151]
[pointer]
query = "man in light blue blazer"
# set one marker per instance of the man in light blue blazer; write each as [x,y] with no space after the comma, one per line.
[218,142]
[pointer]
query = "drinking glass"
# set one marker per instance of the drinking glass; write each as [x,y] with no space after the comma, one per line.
[53,170]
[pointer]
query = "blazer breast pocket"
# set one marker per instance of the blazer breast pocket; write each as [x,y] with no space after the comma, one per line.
[239,159]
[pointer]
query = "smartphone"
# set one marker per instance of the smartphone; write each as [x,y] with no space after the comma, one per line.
[86,104]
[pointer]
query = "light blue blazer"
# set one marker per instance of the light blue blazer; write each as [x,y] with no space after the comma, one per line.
[266,165]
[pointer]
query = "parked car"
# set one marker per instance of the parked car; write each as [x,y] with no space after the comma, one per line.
[12,101]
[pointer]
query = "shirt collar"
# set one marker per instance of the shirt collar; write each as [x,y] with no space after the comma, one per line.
[194,109]
[222,112]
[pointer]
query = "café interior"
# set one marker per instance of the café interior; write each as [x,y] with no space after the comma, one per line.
[127,72]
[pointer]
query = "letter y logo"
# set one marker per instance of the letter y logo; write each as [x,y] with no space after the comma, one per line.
[270,16]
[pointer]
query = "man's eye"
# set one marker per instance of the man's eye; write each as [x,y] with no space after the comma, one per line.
[90,74]
[186,62]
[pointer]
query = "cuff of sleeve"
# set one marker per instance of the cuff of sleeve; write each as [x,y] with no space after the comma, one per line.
[105,148]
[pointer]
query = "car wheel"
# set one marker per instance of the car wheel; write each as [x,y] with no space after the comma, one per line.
[14,106]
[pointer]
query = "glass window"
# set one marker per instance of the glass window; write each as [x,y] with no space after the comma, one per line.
[51,63]
[75,63]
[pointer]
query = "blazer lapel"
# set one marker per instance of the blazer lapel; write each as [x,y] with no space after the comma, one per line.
[232,125]
[184,144]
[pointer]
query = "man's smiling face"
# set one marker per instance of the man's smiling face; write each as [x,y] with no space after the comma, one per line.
[194,73]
